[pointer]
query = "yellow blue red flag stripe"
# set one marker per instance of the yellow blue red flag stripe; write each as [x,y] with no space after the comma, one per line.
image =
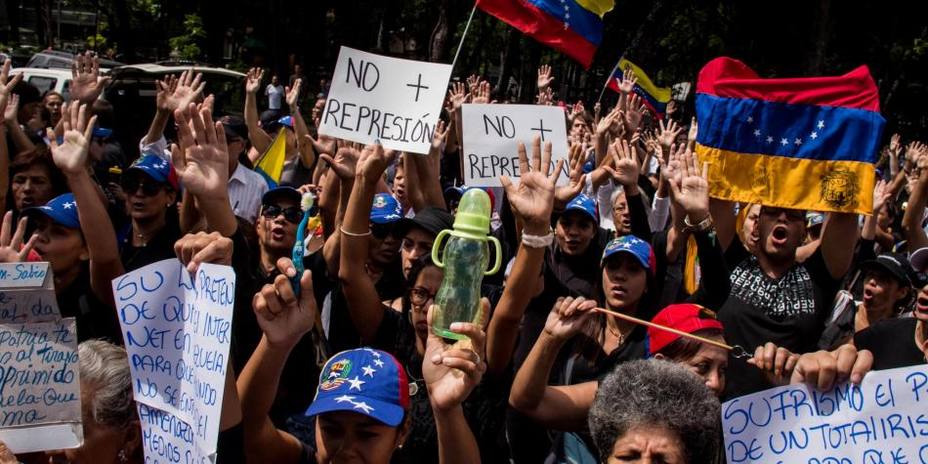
[808,143]
[656,98]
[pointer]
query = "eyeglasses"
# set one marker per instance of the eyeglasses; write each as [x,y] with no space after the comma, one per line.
[419,297]
[381,231]
[292,214]
[132,184]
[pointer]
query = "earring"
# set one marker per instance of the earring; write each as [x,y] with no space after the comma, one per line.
[122,456]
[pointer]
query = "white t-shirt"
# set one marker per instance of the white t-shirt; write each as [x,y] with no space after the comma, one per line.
[275,96]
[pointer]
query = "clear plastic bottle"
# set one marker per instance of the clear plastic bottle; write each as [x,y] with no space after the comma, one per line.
[465,261]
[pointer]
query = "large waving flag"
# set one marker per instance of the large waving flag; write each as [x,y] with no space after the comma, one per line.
[271,163]
[574,27]
[656,98]
[808,143]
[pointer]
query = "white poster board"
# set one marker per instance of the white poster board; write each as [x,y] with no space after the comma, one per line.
[884,420]
[492,134]
[392,100]
[27,293]
[177,332]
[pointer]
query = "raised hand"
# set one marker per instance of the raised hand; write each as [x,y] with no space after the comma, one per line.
[440,137]
[609,122]
[668,133]
[472,82]
[86,83]
[12,249]
[481,93]
[11,110]
[71,155]
[293,95]
[7,84]
[895,144]
[457,96]
[545,97]
[568,317]
[374,161]
[626,169]
[174,93]
[881,195]
[203,247]
[634,111]
[563,195]
[201,158]
[253,80]
[690,189]
[533,199]
[628,81]
[544,77]
[344,162]
[452,371]
[693,132]
[282,316]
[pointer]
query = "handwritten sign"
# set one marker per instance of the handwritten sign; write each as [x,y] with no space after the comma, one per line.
[392,100]
[40,394]
[884,420]
[15,275]
[492,134]
[177,332]
[27,293]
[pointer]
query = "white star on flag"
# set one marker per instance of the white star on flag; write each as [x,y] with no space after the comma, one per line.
[363,406]
[821,124]
[750,119]
[345,399]
[814,135]
[378,363]
[756,132]
[68,205]
[355,383]
[769,139]
[368,370]
[798,141]
[784,142]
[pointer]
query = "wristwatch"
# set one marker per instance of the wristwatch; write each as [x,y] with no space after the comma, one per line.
[701,226]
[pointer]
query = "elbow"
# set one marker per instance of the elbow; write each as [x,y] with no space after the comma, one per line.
[521,403]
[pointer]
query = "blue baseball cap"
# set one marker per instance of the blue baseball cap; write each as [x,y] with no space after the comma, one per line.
[588,167]
[365,381]
[583,204]
[634,246]
[102,132]
[285,192]
[286,121]
[385,209]
[156,167]
[61,209]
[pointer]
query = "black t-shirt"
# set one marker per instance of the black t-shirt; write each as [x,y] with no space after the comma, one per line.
[892,342]
[159,248]
[789,311]
[574,275]
[94,318]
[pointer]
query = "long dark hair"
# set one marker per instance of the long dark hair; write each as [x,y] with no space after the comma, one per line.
[419,265]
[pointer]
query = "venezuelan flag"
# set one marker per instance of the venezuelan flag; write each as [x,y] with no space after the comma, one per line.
[656,98]
[574,27]
[808,143]
[271,163]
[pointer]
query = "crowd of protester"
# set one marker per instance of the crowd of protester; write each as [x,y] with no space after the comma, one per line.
[548,376]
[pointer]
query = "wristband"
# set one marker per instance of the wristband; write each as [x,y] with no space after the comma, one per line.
[701,226]
[354,234]
[538,241]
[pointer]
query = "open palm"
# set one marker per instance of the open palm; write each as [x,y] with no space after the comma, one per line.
[626,168]
[533,199]
[71,154]
[202,157]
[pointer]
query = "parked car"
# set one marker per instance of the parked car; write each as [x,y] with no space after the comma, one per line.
[46,79]
[58,59]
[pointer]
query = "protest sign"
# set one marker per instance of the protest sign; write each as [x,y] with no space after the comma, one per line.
[177,331]
[40,405]
[884,420]
[492,134]
[392,100]
[27,293]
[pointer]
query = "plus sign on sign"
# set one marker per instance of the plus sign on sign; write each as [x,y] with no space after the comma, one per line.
[492,134]
[392,100]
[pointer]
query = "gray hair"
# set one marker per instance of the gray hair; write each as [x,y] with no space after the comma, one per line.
[105,376]
[647,393]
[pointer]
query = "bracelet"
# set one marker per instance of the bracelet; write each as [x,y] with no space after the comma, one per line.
[538,241]
[702,226]
[353,234]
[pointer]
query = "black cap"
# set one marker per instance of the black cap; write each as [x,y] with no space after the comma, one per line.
[896,265]
[284,192]
[234,126]
[432,220]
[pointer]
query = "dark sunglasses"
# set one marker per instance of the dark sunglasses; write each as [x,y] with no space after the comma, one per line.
[292,214]
[381,231]
[131,185]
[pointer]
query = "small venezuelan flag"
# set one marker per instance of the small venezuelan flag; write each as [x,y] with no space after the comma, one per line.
[808,143]
[271,163]
[575,27]
[656,98]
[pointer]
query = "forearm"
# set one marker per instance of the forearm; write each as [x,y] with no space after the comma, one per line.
[413,187]
[99,235]
[332,248]
[839,238]
[21,141]
[4,170]
[260,139]
[528,388]
[868,232]
[307,151]
[456,442]
[723,215]
[428,173]
[599,147]
[156,129]
[189,214]
[912,219]
[218,214]
[639,215]
[660,211]
[364,303]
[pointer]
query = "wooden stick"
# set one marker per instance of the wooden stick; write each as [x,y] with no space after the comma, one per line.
[661,327]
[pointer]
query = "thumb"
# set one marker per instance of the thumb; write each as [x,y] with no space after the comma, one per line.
[307,297]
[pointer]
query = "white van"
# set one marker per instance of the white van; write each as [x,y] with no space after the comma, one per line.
[46,79]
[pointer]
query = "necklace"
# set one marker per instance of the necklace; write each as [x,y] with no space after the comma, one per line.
[617,333]
[413,383]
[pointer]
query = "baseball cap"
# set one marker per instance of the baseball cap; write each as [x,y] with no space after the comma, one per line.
[919,259]
[61,209]
[365,381]
[583,204]
[433,220]
[102,132]
[288,193]
[234,126]
[286,121]
[634,246]
[896,265]
[385,209]
[157,168]
[685,317]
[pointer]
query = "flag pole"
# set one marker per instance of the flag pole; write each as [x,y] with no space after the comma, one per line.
[606,84]
[464,35]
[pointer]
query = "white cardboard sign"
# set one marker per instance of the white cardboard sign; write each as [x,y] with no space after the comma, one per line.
[492,134]
[392,100]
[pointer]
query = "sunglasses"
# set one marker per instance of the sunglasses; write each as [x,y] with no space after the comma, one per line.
[132,184]
[381,231]
[292,214]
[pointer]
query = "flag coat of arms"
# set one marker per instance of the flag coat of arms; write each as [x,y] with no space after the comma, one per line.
[655,98]
[801,143]
[574,27]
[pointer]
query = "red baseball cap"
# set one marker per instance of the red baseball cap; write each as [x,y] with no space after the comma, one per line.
[684,317]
